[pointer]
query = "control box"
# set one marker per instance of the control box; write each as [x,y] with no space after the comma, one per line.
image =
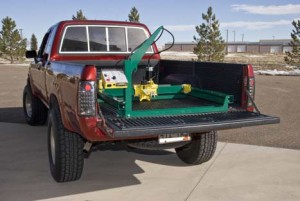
[113,79]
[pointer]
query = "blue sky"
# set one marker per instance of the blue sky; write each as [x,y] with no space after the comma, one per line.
[255,19]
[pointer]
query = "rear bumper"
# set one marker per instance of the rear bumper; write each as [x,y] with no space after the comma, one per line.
[152,126]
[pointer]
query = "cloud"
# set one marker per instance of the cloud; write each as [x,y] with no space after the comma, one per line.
[256,25]
[268,10]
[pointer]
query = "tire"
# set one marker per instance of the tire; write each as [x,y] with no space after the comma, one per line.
[35,111]
[201,149]
[65,149]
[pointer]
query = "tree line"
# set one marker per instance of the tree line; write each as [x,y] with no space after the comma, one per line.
[210,45]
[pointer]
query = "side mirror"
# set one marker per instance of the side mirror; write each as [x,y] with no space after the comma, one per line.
[31,54]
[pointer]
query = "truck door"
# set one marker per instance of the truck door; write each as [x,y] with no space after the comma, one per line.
[37,70]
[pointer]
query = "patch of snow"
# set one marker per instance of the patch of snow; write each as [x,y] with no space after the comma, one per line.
[295,72]
[245,55]
[173,53]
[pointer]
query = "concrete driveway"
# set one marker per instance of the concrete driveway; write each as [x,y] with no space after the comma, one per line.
[237,172]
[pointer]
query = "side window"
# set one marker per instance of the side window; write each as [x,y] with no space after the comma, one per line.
[117,42]
[50,41]
[75,40]
[135,38]
[42,47]
[97,36]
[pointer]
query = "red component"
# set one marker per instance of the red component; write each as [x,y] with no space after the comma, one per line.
[250,70]
[89,73]
[88,87]
[90,130]
[248,81]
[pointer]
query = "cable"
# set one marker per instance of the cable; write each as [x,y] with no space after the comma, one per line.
[173,41]
[145,41]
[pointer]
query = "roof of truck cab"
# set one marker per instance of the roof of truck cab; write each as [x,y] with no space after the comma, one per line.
[100,22]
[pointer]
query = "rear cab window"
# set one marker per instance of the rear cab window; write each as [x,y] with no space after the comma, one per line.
[102,39]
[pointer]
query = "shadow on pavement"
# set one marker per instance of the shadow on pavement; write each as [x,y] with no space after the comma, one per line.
[25,175]
[12,115]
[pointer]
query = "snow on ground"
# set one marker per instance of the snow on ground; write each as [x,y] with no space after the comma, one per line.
[278,72]
[245,55]
[173,53]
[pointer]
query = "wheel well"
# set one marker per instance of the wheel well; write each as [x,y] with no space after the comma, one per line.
[54,103]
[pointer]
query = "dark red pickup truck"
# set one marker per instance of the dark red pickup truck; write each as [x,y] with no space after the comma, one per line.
[104,81]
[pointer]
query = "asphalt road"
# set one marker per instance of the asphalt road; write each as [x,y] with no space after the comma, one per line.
[275,95]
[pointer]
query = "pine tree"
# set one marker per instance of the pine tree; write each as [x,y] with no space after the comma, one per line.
[210,45]
[79,16]
[134,15]
[33,42]
[293,57]
[12,45]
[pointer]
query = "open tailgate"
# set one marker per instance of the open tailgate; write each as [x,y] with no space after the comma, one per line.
[194,123]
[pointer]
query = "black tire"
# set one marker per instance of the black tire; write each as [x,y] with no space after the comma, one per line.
[201,149]
[65,149]
[35,111]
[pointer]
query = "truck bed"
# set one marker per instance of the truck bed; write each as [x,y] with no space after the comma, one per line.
[224,78]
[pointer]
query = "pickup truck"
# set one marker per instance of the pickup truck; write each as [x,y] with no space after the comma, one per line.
[104,82]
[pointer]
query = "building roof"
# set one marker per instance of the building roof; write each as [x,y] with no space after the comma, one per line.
[275,42]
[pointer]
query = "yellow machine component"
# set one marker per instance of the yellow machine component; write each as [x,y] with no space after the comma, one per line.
[113,79]
[186,88]
[145,91]
[100,85]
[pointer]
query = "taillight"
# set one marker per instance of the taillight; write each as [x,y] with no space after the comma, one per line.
[89,73]
[87,92]
[248,91]
[251,91]
[87,98]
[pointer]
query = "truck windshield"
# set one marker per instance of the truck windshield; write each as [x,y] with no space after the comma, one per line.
[101,39]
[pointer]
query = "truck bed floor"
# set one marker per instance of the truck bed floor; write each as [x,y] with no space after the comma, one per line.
[173,103]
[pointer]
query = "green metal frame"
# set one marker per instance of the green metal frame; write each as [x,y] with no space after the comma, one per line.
[122,99]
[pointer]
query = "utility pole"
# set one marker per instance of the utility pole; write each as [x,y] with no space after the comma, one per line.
[227,41]
[233,36]
[21,33]
[242,37]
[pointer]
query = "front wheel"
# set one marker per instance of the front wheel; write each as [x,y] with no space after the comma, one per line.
[201,149]
[35,111]
[65,149]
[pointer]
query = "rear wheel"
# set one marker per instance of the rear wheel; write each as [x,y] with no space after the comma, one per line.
[65,149]
[35,111]
[201,149]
